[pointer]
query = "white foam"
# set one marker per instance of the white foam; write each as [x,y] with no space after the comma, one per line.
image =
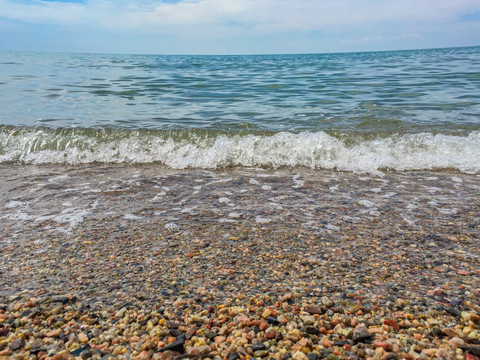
[309,149]
[132,217]
[171,226]
[224,200]
[367,203]
[332,227]
[262,220]
[297,183]
[253,182]
[13,204]
[448,211]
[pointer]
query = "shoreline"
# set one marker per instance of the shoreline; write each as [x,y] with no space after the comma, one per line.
[335,266]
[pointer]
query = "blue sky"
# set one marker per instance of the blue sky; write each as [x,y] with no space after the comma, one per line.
[236,26]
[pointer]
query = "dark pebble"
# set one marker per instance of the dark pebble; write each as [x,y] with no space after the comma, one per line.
[456,302]
[453,311]
[258,346]
[272,320]
[61,299]
[86,354]
[4,331]
[37,347]
[391,356]
[313,356]
[175,332]
[473,350]
[172,324]
[78,351]
[341,343]
[362,337]
[234,356]
[17,344]
[209,334]
[312,330]
[176,346]
[438,332]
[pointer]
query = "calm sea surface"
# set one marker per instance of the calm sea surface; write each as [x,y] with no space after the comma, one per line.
[362,112]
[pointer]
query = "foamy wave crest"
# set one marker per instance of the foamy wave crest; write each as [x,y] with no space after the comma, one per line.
[317,150]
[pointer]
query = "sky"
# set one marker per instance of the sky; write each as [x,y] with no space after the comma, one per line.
[236,26]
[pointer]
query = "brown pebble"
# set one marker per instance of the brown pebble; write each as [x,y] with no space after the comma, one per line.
[82,338]
[383,344]
[263,326]
[219,339]
[392,323]
[270,334]
[53,333]
[64,356]
[313,310]
[148,345]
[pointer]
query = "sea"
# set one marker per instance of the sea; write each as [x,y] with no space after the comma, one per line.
[95,140]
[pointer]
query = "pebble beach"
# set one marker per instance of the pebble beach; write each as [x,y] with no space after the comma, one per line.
[122,263]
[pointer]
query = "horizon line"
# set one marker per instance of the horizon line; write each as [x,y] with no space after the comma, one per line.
[245,54]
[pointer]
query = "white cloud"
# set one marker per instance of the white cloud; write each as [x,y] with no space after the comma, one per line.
[245,26]
[259,15]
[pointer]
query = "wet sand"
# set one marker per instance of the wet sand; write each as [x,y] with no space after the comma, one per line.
[123,261]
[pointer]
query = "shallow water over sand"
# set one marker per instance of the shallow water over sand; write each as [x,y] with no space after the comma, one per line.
[38,201]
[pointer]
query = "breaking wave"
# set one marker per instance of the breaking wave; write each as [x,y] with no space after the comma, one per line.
[213,150]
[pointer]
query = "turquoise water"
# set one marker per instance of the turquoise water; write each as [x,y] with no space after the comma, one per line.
[365,112]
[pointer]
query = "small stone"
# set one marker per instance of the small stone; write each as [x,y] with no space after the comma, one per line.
[64,356]
[82,338]
[233,356]
[270,334]
[260,353]
[312,310]
[219,340]
[263,326]
[37,346]
[383,344]
[361,335]
[169,355]
[86,354]
[429,352]
[312,330]
[266,313]
[298,355]
[148,345]
[392,323]
[78,351]
[4,331]
[53,333]
[258,346]
[176,346]
[308,320]
[144,355]
[327,302]
[449,332]
[273,320]
[61,299]
[17,344]
[120,312]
